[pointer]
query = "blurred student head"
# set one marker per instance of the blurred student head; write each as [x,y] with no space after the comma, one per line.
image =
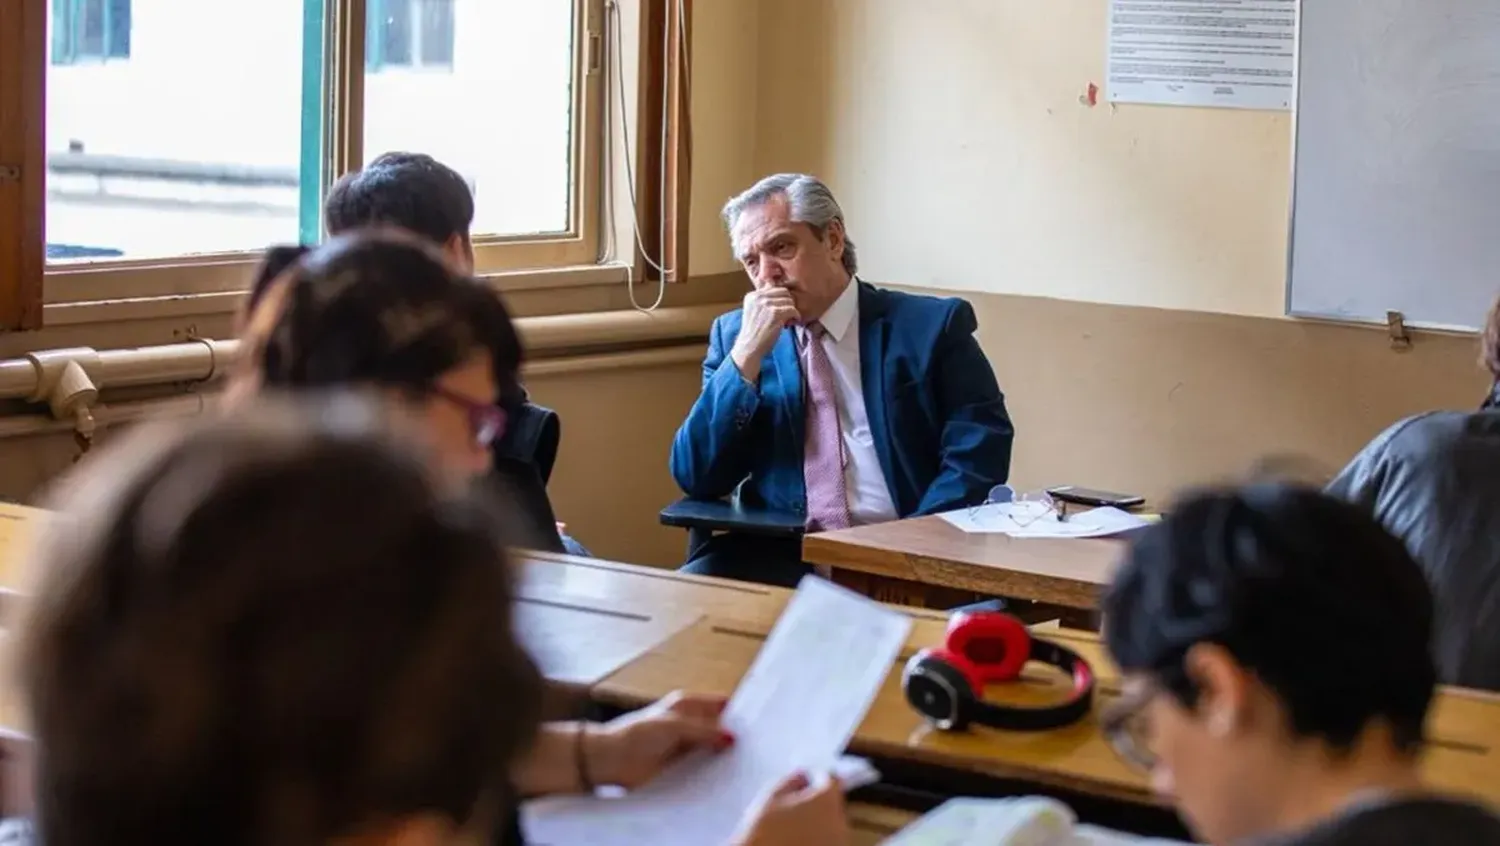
[272,628]
[381,309]
[413,191]
[1274,642]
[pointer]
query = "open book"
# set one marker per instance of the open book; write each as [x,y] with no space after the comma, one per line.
[1020,821]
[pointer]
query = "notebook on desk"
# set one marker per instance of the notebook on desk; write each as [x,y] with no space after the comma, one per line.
[1019,821]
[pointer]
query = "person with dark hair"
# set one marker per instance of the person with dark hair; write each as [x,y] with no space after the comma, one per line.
[415,192]
[276,261]
[1433,480]
[382,309]
[225,647]
[1275,646]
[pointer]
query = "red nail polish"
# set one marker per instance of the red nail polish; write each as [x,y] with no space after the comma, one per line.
[726,740]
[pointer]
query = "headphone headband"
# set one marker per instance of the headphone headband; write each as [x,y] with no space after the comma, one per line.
[946,685]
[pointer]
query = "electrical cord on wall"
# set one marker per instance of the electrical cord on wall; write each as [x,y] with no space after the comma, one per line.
[617,50]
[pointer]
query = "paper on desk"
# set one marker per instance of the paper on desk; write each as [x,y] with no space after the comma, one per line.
[795,710]
[1018,520]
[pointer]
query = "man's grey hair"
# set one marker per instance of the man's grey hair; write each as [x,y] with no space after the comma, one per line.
[811,202]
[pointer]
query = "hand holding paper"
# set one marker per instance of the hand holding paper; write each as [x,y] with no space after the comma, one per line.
[631,750]
[794,711]
[798,810]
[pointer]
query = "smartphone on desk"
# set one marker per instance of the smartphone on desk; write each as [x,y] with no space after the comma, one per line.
[1096,498]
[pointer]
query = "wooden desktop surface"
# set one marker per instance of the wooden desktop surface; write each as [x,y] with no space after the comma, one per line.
[930,551]
[712,654]
[873,824]
[700,633]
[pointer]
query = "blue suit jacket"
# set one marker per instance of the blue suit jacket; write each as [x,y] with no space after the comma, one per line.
[936,413]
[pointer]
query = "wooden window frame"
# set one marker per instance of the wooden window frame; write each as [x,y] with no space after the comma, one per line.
[23,73]
[28,287]
[663,207]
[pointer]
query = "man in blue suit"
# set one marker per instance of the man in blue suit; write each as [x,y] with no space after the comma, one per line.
[829,398]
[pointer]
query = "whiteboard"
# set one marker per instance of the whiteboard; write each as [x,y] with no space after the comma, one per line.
[1396,182]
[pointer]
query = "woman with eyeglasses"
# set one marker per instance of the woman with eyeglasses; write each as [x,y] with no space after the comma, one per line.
[380,311]
[383,312]
[509,428]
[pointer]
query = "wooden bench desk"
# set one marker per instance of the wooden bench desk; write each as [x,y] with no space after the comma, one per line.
[904,555]
[873,824]
[712,655]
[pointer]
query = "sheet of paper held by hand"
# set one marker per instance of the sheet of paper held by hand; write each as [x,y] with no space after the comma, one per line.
[795,710]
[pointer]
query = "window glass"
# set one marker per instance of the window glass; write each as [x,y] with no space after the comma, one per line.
[486,87]
[176,127]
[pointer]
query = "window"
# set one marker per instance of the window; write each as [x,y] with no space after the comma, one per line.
[410,33]
[165,143]
[193,146]
[90,30]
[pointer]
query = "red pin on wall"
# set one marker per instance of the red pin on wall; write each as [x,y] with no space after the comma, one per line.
[1090,96]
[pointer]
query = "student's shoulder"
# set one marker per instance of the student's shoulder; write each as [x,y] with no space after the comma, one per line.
[1450,822]
[1437,433]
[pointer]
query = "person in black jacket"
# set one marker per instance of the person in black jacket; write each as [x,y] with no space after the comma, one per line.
[415,192]
[1433,480]
[1275,645]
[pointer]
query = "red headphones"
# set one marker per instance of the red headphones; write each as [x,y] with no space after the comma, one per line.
[946,684]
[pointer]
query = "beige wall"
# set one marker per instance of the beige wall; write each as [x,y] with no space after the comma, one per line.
[957,138]
[955,135]
[726,61]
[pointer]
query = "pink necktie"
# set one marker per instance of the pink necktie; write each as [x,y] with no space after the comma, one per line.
[823,452]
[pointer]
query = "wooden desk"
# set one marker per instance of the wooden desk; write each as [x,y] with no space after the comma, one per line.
[929,551]
[582,618]
[873,824]
[712,655]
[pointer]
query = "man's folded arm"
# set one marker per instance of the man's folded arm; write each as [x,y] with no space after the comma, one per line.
[977,432]
[711,451]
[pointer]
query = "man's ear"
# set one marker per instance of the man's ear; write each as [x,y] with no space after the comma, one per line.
[834,235]
[1224,688]
[460,251]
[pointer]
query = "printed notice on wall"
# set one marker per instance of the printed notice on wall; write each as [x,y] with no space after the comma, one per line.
[1230,53]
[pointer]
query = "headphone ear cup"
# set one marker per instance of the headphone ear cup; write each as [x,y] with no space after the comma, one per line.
[957,673]
[996,645]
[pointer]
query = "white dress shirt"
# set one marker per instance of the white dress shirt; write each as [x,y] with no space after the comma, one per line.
[869,498]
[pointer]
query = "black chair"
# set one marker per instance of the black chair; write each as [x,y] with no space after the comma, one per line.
[524,458]
[532,435]
[704,517]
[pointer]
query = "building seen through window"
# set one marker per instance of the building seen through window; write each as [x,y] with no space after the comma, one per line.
[90,30]
[409,33]
[179,128]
